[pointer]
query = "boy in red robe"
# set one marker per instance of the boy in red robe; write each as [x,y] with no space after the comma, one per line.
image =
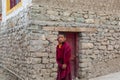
[63,55]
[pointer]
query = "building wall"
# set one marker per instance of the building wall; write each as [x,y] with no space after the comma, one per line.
[99,51]
[103,56]
[92,5]
[27,47]
[14,45]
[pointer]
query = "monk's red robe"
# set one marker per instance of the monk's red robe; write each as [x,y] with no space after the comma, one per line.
[63,55]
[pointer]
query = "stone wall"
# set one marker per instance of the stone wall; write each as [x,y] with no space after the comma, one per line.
[14,42]
[42,48]
[100,52]
[92,5]
[44,13]
[28,50]
[97,52]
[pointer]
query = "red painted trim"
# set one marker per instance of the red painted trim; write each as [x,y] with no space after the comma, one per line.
[10,4]
[13,3]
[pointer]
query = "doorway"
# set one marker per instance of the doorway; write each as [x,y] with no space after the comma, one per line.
[72,39]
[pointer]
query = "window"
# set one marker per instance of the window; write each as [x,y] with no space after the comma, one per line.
[12,5]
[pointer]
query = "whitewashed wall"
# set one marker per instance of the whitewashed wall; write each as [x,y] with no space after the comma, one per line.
[25,3]
[0,6]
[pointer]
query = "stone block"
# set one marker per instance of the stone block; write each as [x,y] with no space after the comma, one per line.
[71,19]
[110,47]
[53,60]
[35,48]
[67,13]
[38,67]
[80,20]
[54,18]
[83,65]
[44,55]
[54,69]
[87,45]
[86,16]
[33,27]
[114,23]
[117,46]
[51,12]
[102,47]
[49,65]
[43,71]
[55,65]
[45,60]
[35,42]
[34,36]
[119,23]
[90,21]
[54,74]
[104,43]
[51,55]
[35,60]
[111,31]
[43,37]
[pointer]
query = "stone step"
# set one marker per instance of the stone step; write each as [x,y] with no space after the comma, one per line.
[112,76]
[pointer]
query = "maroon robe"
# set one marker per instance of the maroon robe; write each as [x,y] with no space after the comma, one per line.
[63,55]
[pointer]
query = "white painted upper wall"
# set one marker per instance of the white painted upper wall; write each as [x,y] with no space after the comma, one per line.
[0,6]
[25,3]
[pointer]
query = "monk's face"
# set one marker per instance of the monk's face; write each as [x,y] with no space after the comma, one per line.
[61,38]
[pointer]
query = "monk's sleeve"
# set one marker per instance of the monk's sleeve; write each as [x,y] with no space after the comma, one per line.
[59,64]
[57,59]
[67,56]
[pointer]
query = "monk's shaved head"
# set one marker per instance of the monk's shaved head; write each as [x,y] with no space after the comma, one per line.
[62,33]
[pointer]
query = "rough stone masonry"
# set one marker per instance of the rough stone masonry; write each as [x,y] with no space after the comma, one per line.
[27,47]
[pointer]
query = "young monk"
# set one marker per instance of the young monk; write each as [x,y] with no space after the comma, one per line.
[63,55]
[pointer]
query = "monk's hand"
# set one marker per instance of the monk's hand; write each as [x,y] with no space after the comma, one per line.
[64,66]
